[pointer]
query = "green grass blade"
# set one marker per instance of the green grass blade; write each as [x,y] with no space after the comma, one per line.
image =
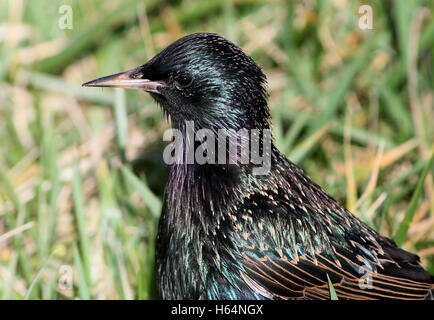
[343,83]
[81,223]
[83,41]
[121,119]
[36,279]
[401,234]
[150,199]
[333,295]
[83,286]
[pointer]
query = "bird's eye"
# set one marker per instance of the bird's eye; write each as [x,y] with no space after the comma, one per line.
[183,80]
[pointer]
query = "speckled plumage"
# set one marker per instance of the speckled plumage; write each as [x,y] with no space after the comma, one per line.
[228,234]
[244,237]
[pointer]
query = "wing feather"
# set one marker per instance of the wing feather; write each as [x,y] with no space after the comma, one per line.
[296,242]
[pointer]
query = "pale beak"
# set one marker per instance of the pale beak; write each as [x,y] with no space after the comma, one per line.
[127,81]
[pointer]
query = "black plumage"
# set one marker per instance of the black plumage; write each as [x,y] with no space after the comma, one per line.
[226,233]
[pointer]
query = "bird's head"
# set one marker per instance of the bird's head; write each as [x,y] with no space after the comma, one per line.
[202,78]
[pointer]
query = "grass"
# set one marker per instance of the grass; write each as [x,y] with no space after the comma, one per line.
[81,170]
[332,291]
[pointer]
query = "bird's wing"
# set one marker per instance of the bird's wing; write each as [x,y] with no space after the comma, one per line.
[306,278]
[285,256]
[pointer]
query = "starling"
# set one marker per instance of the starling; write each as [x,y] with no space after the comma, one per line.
[228,233]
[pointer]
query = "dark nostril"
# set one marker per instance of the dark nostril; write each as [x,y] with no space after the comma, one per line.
[138,75]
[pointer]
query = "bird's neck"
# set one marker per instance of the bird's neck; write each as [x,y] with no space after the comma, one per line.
[199,204]
[197,194]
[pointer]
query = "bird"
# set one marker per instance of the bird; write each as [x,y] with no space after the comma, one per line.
[226,233]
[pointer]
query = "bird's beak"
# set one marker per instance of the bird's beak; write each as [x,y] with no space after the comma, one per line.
[127,81]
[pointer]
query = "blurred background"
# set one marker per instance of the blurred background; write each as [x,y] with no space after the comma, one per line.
[81,170]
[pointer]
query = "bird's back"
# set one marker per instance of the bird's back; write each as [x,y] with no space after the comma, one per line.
[279,236]
[294,237]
